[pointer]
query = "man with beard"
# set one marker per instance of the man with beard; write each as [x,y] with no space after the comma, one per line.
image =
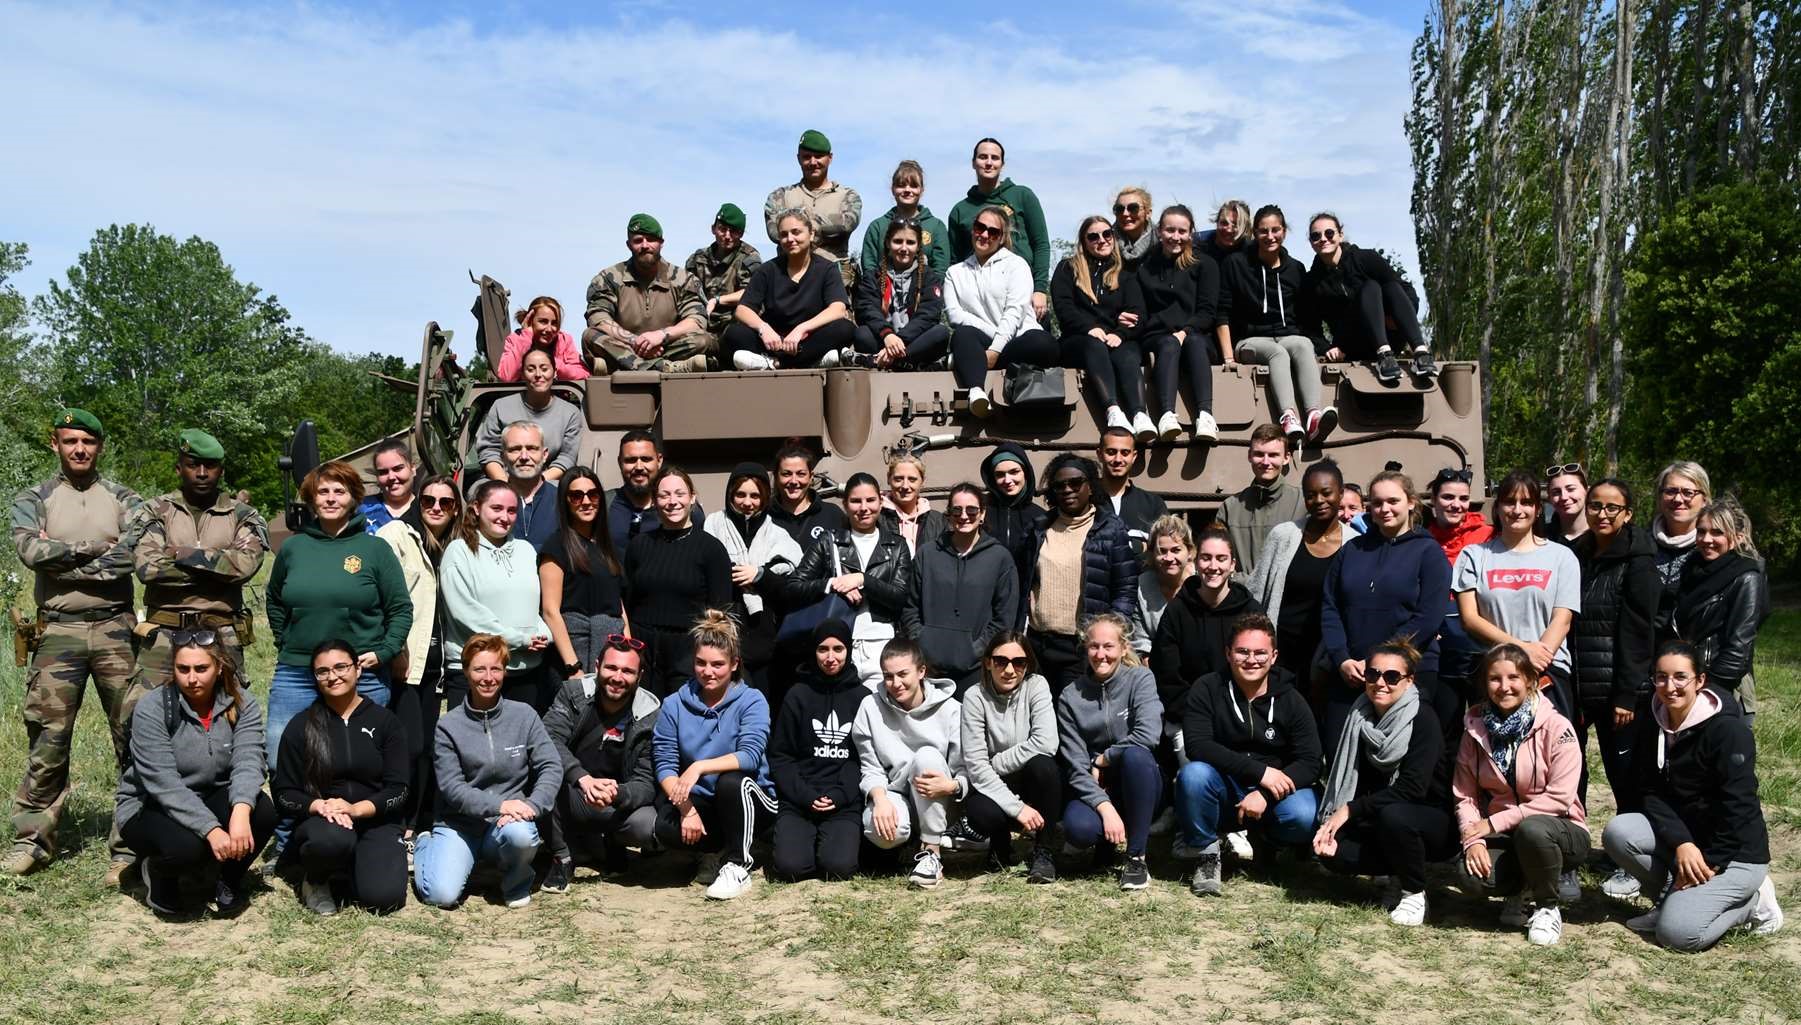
[523,450]
[1136,507]
[631,512]
[836,209]
[645,313]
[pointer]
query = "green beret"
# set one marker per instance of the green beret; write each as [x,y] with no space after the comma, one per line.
[197,444]
[79,419]
[815,141]
[730,216]
[644,224]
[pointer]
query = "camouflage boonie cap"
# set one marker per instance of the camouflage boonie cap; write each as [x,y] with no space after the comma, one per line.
[80,420]
[644,224]
[197,444]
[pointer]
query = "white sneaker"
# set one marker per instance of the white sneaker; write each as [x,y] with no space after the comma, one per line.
[520,902]
[1622,885]
[1513,912]
[1645,923]
[830,359]
[1545,926]
[1116,417]
[928,870]
[978,403]
[1205,429]
[1410,911]
[1238,844]
[1179,849]
[1766,917]
[733,879]
[1291,427]
[1569,887]
[1169,428]
[1143,428]
[744,359]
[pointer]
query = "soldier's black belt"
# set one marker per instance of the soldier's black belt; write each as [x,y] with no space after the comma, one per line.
[195,620]
[89,616]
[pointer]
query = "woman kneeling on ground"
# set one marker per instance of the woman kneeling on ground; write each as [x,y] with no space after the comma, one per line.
[1384,810]
[1109,722]
[1517,771]
[910,743]
[193,790]
[498,773]
[1699,846]
[1242,773]
[815,766]
[1010,747]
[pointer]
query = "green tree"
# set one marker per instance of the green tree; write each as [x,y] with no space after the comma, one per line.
[25,415]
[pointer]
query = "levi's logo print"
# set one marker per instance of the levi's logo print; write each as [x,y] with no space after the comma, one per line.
[831,734]
[1519,579]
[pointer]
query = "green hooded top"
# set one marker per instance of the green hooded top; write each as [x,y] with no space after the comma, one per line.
[347,587]
[1031,239]
[935,244]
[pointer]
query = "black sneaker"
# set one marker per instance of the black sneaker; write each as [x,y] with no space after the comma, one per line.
[1105,856]
[1044,867]
[556,879]
[227,900]
[1424,365]
[1388,369]
[964,837]
[1000,853]
[1135,875]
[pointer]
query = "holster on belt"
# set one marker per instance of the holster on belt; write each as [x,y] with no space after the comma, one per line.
[27,635]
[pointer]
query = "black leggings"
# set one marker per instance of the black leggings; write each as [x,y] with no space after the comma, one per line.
[1039,783]
[1398,842]
[1060,659]
[1191,358]
[736,812]
[1114,372]
[418,708]
[671,659]
[927,348]
[1616,743]
[969,353]
[828,337]
[809,844]
[151,833]
[374,858]
[1362,330]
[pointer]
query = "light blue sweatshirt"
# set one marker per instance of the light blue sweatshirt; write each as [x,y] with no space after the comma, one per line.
[689,731]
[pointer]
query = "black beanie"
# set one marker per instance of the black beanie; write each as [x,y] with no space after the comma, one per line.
[832,628]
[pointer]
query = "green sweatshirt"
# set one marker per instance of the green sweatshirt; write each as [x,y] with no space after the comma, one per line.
[347,587]
[1031,240]
[936,243]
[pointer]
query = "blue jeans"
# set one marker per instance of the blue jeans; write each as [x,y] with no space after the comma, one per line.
[1133,784]
[1208,800]
[446,856]
[291,692]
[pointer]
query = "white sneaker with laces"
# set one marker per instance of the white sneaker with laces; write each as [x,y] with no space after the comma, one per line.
[744,359]
[1622,885]
[733,879]
[1205,429]
[1116,417]
[831,358]
[928,870]
[1168,427]
[978,402]
[1238,844]
[1291,426]
[520,902]
[1766,917]
[1569,887]
[1544,927]
[1513,912]
[1645,923]
[1143,428]
[1410,911]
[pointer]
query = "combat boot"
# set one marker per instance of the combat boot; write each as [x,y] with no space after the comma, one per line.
[22,860]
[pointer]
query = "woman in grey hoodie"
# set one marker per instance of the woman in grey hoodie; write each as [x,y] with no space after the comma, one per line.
[909,740]
[1109,722]
[1010,750]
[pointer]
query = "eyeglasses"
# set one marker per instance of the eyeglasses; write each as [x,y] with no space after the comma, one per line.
[1389,677]
[1000,662]
[585,497]
[1326,235]
[342,669]
[1607,509]
[1672,679]
[985,231]
[1686,494]
[446,502]
[1069,483]
[1253,657]
[1105,235]
[1127,208]
[1559,471]
[193,638]
[965,512]
[620,642]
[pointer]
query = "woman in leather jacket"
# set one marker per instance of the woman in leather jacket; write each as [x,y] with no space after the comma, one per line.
[868,566]
[1722,600]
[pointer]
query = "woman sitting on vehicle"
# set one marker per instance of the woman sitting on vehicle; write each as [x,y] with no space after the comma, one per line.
[580,578]
[1132,227]
[1261,324]
[490,584]
[910,745]
[794,312]
[1181,290]
[867,568]
[1010,749]
[1169,556]
[816,770]
[498,774]
[1357,294]
[965,592]
[1723,599]
[1699,848]
[761,553]
[1516,778]
[541,327]
[1109,724]
[1098,309]
[988,300]
[1291,570]
[192,793]
[905,509]
[900,306]
[672,575]
[1231,232]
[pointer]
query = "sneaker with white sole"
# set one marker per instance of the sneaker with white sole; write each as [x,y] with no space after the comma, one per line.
[744,359]
[1238,844]
[1116,417]
[1320,423]
[1291,426]
[964,836]
[830,358]
[520,902]
[1569,886]
[1205,429]
[1410,910]
[1134,874]
[1206,880]
[1622,885]
[1423,364]
[1513,912]
[733,879]
[1645,923]
[1766,917]
[1544,926]
[317,896]
[1142,428]
[928,870]
[1169,428]
[978,403]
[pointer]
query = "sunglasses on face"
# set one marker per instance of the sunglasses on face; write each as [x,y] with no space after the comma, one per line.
[1327,235]
[620,642]
[446,502]
[191,638]
[583,497]
[1558,471]
[1000,662]
[965,512]
[1069,484]
[1127,208]
[985,231]
[1105,235]
[1391,677]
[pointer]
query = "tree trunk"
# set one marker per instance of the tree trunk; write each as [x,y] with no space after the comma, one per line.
[1750,130]
[1619,128]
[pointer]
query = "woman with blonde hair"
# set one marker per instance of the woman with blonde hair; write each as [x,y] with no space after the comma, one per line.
[1722,600]
[1110,722]
[988,298]
[1098,306]
[1683,487]
[1132,225]
[541,327]
[1169,562]
[905,509]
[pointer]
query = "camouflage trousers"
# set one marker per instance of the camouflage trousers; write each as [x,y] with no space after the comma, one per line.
[54,687]
[156,664]
[619,356]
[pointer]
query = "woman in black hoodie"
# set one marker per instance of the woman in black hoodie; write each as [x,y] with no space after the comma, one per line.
[1098,308]
[965,592]
[1357,294]
[1261,323]
[900,308]
[1181,288]
[1723,599]
[1013,518]
[1195,632]
[813,763]
[1699,846]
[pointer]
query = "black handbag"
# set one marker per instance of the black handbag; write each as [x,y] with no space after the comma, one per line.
[799,624]
[1029,387]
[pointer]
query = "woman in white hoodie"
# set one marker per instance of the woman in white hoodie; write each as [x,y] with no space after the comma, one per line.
[988,299]
[1010,750]
[489,582]
[910,743]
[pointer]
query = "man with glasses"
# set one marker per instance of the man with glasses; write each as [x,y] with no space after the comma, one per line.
[393,498]
[1135,507]
[522,449]
[601,725]
[645,313]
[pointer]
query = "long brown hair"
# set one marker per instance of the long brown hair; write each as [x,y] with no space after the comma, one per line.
[434,545]
[469,527]
[225,678]
[573,545]
[1078,261]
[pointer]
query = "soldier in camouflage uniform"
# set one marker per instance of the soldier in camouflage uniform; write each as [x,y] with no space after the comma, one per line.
[74,532]
[197,548]
[647,313]
[836,209]
[724,268]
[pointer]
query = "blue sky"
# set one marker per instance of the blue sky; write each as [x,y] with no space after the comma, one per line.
[357,160]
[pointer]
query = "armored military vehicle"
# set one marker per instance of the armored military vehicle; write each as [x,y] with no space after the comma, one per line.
[855,418]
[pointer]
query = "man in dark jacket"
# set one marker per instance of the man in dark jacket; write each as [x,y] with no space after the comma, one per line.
[965,591]
[1081,564]
[1136,507]
[1013,518]
[601,726]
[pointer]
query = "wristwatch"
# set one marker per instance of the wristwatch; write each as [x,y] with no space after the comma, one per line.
[571,668]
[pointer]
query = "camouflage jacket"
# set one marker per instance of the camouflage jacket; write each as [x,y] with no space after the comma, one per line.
[836,210]
[723,275]
[79,542]
[616,298]
[198,560]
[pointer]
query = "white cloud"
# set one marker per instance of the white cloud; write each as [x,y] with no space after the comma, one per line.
[356,166]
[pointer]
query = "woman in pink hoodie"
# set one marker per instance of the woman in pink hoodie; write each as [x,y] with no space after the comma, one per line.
[1517,771]
[541,327]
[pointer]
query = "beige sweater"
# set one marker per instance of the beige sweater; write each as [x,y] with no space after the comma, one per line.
[1057,596]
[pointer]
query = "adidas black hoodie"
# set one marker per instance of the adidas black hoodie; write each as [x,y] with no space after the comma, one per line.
[810,751]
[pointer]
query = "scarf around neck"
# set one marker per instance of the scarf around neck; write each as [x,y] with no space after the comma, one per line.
[1382,739]
[1506,732]
[1704,578]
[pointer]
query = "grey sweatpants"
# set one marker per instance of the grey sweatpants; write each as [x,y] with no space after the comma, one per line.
[1695,918]
[1540,848]
[1291,364]
[934,815]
